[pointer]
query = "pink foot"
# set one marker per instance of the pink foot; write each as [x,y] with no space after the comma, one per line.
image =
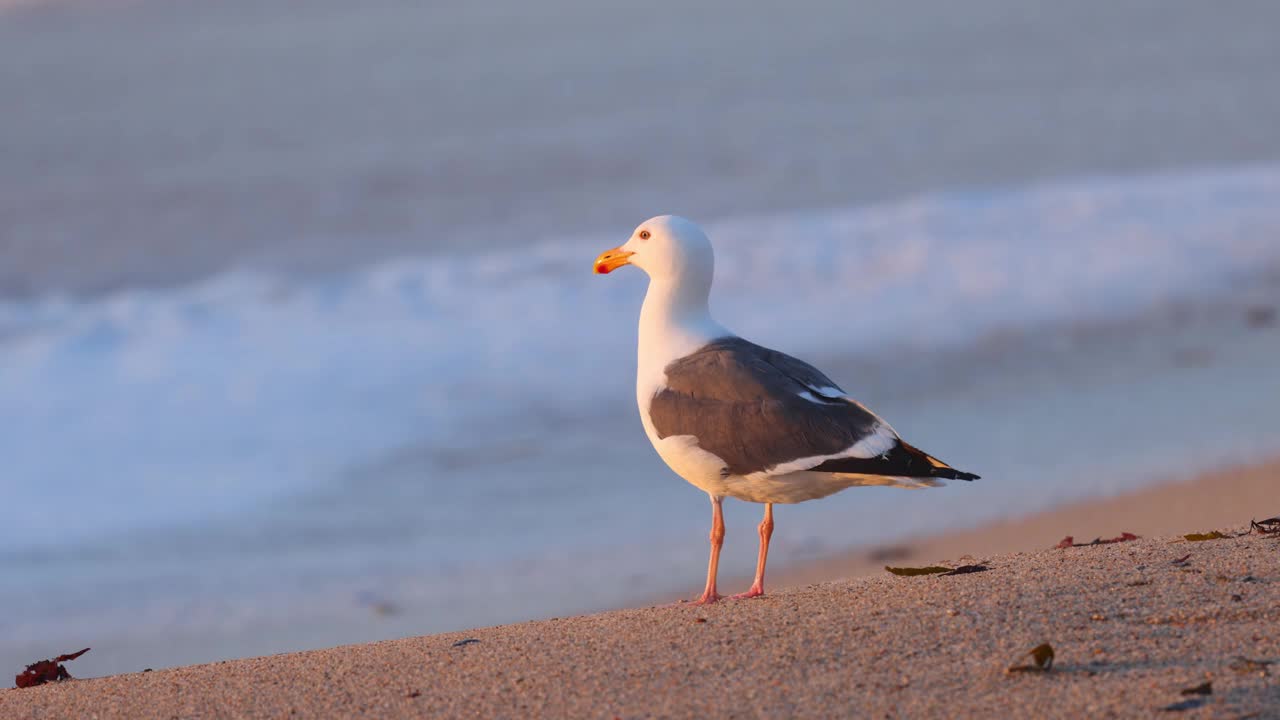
[753,592]
[708,599]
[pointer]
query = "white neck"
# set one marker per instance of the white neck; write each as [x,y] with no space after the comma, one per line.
[674,321]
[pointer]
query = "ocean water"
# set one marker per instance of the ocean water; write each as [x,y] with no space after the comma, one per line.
[263,461]
[154,142]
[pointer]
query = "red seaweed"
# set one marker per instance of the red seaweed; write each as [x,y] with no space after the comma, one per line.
[46,671]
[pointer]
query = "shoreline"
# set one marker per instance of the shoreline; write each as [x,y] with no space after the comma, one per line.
[1131,628]
[1202,503]
[1134,627]
[160,616]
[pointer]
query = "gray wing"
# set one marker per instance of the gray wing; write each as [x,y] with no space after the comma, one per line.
[757,408]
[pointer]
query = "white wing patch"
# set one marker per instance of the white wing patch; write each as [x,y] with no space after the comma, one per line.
[880,441]
[822,394]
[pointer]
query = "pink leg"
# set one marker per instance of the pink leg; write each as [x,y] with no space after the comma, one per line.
[709,595]
[766,532]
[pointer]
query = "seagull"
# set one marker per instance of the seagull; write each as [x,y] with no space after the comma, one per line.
[739,420]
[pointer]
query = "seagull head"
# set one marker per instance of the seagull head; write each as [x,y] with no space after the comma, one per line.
[665,247]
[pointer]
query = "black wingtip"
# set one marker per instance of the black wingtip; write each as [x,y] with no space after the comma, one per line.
[903,460]
[937,468]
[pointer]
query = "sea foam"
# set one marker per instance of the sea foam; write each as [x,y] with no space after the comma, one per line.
[164,408]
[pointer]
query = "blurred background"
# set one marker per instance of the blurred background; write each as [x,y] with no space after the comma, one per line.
[300,344]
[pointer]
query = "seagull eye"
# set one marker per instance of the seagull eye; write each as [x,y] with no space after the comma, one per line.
[644,234]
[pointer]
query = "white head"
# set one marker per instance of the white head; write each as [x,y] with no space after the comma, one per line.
[668,248]
[675,319]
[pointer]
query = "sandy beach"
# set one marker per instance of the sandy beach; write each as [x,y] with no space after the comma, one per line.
[1132,624]
[1215,500]
[271,274]
[304,371]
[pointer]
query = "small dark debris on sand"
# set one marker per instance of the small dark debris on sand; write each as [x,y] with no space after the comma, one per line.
[1270,526]
[1204,688]
[1070,541]
[1201,537]
[468,641]
[914,571]
[46,671]
[936,570]
[1196,697]
[966,569]
[1041,661]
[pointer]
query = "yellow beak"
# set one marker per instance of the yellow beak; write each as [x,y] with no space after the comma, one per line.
[611,260]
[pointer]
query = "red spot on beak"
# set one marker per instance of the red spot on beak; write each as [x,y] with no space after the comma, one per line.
[611,260]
